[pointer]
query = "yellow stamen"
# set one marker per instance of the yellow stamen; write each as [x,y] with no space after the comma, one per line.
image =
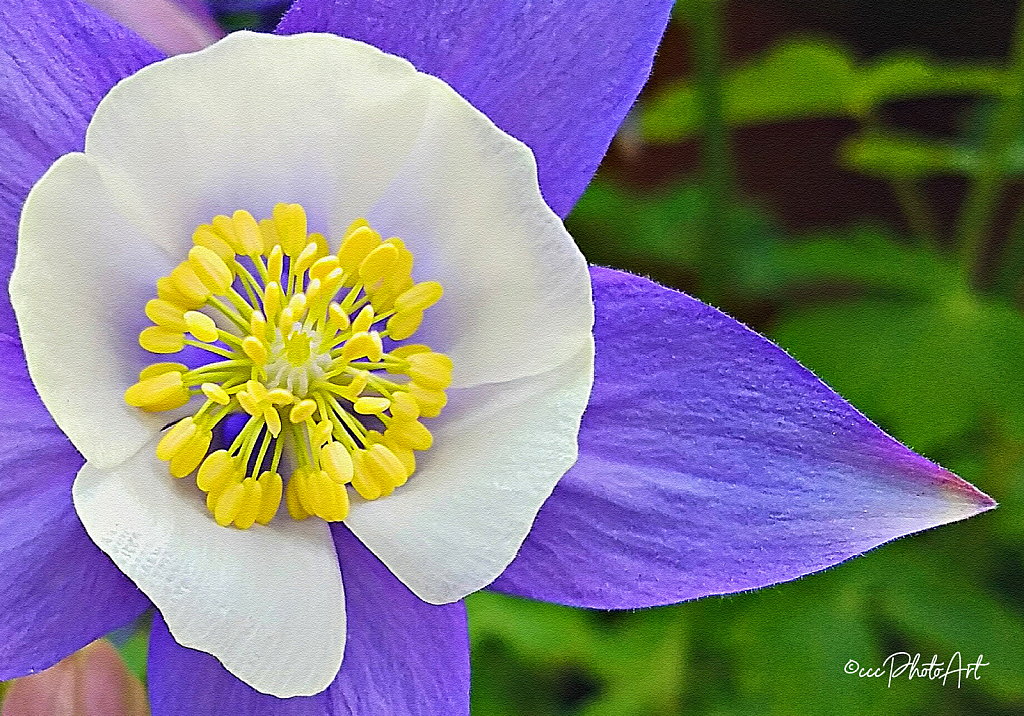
[301,412]
[157,339]
[201,326]
[300,352]
[175,438]
[166,315]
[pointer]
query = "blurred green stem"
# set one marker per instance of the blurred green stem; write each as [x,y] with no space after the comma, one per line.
[915,208]
[706,21]
[1010,278]
[907,192]
[984,193]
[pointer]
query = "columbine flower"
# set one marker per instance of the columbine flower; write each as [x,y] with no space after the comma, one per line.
[229,202]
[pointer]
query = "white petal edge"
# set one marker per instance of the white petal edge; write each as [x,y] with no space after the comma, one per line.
[267,601]
[498,452]
[362,133]
[81,278]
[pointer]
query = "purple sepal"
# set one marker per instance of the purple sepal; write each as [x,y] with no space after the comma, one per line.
[711,462]
[58,591]
[559,75]
[58,58]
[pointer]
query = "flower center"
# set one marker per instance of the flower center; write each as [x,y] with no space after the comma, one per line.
[295,336]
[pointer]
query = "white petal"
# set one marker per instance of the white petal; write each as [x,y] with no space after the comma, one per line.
[267,601]
[348,131]
[467,204]
[81,279]
[498,452]
[258,119]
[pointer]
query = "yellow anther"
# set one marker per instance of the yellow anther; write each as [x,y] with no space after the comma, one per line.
[224,227]
[258,325]
[431,370]
[430,401]
[306,258]
[166,291]
[254,348]
[215,393]
[386,467]
[377,263]
[297,305]
[275,264]
[371,405]
[292,501]
[313,294]
[316,496]
[306,496]
[272,301]
[166,314]
[333,497]
[210,269]
[280,396]
[404,406]
[216,470]
[290,220]
[322,249]
[157,339]
[323,266]
[187,283]
[172,403]
[206,236]
[201,326]
[403,324]
[331,284]
[270,238]
[304,409]
[321,433]
[249,404]
[363,345]
[273,420]
[252,497]
[229,504]
[336,462]
[405,456]
[339,320]
[356,247]
[188,457]
[363,320]
[356,224]
[356,385]
[154,389]
[175,438]
[248,232]
[257,390]
[408,349]
[411,433]
[270,496]
[363,479]
[285,321]
[420,297]
[155,369]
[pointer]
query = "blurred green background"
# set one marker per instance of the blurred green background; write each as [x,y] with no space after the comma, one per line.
[845,177]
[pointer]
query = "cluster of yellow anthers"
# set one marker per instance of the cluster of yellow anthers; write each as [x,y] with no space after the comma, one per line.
[298,343]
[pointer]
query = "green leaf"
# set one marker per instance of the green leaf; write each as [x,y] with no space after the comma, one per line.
[949,613]
[800,79]
[659,233]
[903,157]
[927,370]
[861,256]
